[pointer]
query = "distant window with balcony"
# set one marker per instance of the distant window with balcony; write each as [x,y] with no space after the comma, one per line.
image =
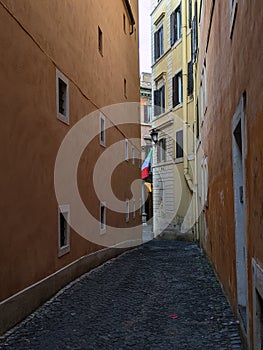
[177,89]
[159,101]
[175,25]
[158,43]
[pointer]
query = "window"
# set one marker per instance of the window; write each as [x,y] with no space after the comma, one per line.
[62,92]
[194,42]
[233,11]
[179,145]
[124,23]
[177,89]
[127,217]
[133,155]
[126,150]
[134,209]
[100,41]
[63,230]
[158,43]
[190,85]
[125,87]
[175,25]
[197,120]
[102,218]
[147,113]
[159,101]
[190,13]
[161,151]
[102,131]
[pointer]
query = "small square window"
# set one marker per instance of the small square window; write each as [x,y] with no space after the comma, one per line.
[62,92]
[102,218]
[102,131]
[63,230]
[126,150]
[127,216]
[100,41]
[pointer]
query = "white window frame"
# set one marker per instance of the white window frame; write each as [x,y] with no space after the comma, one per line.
[62,117]
[126,150]
[103,225]
[65,211]
[127,215]
[102,130]
[133,155]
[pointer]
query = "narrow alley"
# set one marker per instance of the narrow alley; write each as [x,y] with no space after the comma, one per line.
[162,295]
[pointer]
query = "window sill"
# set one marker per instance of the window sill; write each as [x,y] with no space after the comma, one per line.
[175,108]
[179,160]
[178,42]
[63,118]
[63,250]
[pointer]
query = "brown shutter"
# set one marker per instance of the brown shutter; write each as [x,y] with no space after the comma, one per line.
[190,78]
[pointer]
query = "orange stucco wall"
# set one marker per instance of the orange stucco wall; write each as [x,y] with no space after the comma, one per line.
[36,37]
[233,66]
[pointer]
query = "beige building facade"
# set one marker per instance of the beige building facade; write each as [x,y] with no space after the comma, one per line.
[173,119]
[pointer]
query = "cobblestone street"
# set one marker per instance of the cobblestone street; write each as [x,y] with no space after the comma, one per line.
[163,295]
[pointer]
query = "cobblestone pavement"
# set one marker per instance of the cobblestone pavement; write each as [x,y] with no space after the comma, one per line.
[126,304]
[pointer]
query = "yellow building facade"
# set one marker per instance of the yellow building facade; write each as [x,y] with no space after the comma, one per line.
[174,184]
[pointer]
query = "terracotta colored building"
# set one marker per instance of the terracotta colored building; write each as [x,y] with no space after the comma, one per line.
[231,122]
[60,61]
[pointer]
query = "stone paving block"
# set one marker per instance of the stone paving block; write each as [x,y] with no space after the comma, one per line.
[126,304]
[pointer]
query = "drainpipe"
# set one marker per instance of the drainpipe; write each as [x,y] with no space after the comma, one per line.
[185,107]
[195,154]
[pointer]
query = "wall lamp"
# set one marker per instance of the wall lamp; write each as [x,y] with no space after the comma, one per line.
[154,135]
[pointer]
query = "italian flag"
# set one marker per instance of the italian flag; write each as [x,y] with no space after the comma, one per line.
[147,165]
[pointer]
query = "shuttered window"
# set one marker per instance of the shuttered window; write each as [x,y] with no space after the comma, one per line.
[190,85]
[179,144]
[158,43]
[177,89]
[194,41]
[175,25]
[159,101]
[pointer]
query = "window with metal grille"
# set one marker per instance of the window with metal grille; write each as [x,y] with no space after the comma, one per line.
[100,41]
[102,131]
[177,89]
[62,92]
[159,101]
[179,144]
[125,87]
[158,43]
[63,230]
[102,217]
[175,25]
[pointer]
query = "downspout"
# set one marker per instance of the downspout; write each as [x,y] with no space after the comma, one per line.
[185,106]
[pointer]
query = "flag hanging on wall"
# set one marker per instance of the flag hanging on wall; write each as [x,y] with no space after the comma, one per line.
[147,165]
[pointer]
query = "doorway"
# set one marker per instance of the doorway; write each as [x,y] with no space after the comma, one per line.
[238,149]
